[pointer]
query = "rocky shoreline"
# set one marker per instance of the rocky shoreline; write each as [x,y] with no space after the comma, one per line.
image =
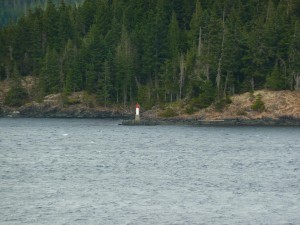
[232,122]
[281,109]
[38,111]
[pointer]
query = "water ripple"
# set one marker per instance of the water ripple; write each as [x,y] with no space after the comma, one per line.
[68,171]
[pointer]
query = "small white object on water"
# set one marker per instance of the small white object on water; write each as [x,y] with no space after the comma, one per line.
[137,109]
[137,112]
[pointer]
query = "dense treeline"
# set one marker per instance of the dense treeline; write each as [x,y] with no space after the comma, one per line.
[156,50]
[11,10]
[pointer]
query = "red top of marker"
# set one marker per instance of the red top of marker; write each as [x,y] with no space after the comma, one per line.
[137,105]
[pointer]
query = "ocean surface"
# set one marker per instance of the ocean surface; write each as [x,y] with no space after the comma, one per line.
[92,171]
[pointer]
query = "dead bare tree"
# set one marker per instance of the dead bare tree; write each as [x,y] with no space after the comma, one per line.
[218,78]
[182,67]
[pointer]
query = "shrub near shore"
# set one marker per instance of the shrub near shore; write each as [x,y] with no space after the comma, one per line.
[260,104]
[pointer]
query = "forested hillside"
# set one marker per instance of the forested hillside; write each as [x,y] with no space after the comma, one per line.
[11,10]
[155,51]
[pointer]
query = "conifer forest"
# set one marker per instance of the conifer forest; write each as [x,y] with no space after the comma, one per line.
[151,51]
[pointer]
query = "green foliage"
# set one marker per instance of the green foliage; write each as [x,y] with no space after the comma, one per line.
[72,101]
[258,105]
[206,96]
[152,51]
[169,112]
[190,109]
[67,100]
[174,37]
[222,103]
[104,85]
[241,113]
[16,97]
[125,63]
[144,97]
[88,100]
[12,10]
[228,99]
[50,75]
[275,81]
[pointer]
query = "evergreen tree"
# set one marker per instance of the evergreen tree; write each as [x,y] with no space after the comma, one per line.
[2,55]
[104,85]
[36,41]
[174,37]
[294,57]
[65,26]
[254,60]
[195,25]
[275,81]
[16,95]
[124,62]
[90,80]
[50,77]
[157,50]
[173,62]
[69,68]
[51,26]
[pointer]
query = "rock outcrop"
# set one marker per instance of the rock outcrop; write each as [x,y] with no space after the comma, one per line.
[54,107]
[280,108]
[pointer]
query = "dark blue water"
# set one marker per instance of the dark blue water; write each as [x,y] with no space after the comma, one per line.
[81,171]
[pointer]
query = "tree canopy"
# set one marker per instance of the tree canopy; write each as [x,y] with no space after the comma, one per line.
[155,51]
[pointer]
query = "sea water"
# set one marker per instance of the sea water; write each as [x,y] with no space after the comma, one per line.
[92,171]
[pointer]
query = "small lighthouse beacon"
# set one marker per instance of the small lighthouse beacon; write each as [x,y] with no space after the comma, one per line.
[137,112]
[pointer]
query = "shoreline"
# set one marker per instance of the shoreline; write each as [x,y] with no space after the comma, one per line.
[281,109]
[291,122]
[127,120]
[149,117]
[240,122]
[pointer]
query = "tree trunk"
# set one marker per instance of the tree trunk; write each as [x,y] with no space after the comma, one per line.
[297,80]
[124,96]
[226,83]
[218,78]
[283,64]
[207,71]
[181,75]
[117,96]
[130,89]
[252,83]
[7,71]
[199,43]
[61,72]
[10,48]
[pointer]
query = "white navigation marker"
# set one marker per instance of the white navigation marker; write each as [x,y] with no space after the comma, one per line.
[137,112]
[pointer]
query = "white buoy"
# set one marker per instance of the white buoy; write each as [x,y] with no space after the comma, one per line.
[137,112]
